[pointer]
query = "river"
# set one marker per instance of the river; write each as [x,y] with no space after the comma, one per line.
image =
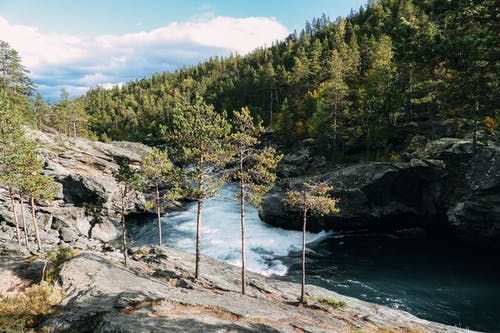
[434,279]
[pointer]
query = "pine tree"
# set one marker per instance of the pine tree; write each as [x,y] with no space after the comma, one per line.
[313,198]
[11,133]
[255,172]
[157,169]
[41,111]
[129,183]
[200,137]
[31,182]
[14,78]
[334,91]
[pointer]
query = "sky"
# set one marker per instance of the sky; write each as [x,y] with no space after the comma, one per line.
[77,45]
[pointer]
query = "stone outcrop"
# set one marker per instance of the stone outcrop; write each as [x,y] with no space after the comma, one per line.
[473,206]
[85,213]
[445,186]
[158,294]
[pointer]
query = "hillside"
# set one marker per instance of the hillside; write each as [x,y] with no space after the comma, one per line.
[362,86]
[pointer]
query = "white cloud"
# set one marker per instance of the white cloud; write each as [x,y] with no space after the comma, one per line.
[79,62]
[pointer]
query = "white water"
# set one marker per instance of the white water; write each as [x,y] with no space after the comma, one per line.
[221,234]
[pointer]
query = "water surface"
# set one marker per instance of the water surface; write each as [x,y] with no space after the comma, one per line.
[433,278]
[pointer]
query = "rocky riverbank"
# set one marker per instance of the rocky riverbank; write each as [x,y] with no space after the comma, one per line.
[85,212]
[157,293]
[445,186]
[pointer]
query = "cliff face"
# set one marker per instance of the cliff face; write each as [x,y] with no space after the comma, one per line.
[445,186]
[158,294]
[85,213]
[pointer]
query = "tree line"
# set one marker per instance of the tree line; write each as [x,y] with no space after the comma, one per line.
[364,84]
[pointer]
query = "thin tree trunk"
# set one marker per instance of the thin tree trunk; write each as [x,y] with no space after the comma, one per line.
[198,222]
[271,108]
[409,111]
[35,222]
[335,107]
[124,231]
[25,226]
[242,207]
[474,137]
[303,281]
[14,213]
[158,212]
[198,239]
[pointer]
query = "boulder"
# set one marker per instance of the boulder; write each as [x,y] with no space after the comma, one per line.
[447,186]
[68,234]
[372,195]
[473,206]
[104,231]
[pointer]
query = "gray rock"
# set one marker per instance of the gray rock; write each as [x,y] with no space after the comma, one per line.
[68,234]
[373,195]
[104,296]
[447,186]
[104,231]
[88,193]
[473,206]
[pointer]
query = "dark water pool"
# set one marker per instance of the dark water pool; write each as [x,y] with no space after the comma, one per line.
[433,279]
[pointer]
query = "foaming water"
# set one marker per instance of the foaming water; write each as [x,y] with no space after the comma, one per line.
[221,234]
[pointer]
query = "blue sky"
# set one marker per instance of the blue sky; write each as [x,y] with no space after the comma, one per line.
[77,44]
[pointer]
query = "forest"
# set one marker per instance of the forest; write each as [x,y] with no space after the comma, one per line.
[361,86]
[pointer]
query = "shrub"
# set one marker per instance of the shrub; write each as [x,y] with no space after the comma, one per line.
[22,311]
[56,256]
[331,302]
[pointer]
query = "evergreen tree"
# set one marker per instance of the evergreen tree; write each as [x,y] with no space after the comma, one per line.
[157,169]
[200,137]
[255,172]
[14,78]
[41,111]
[32,182]
[129,183]
[11,134]
[313,198]
[334,91]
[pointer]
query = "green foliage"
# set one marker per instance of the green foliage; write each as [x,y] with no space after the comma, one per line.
[56,256]
[29,166]
[22,311]
[157,169]
[256,168]
[14,79]
[11,133]
[256,165]
[126,175]
[330,302]
[67,116]
[129,182]
[200,138]
[392,64]
[313,198]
